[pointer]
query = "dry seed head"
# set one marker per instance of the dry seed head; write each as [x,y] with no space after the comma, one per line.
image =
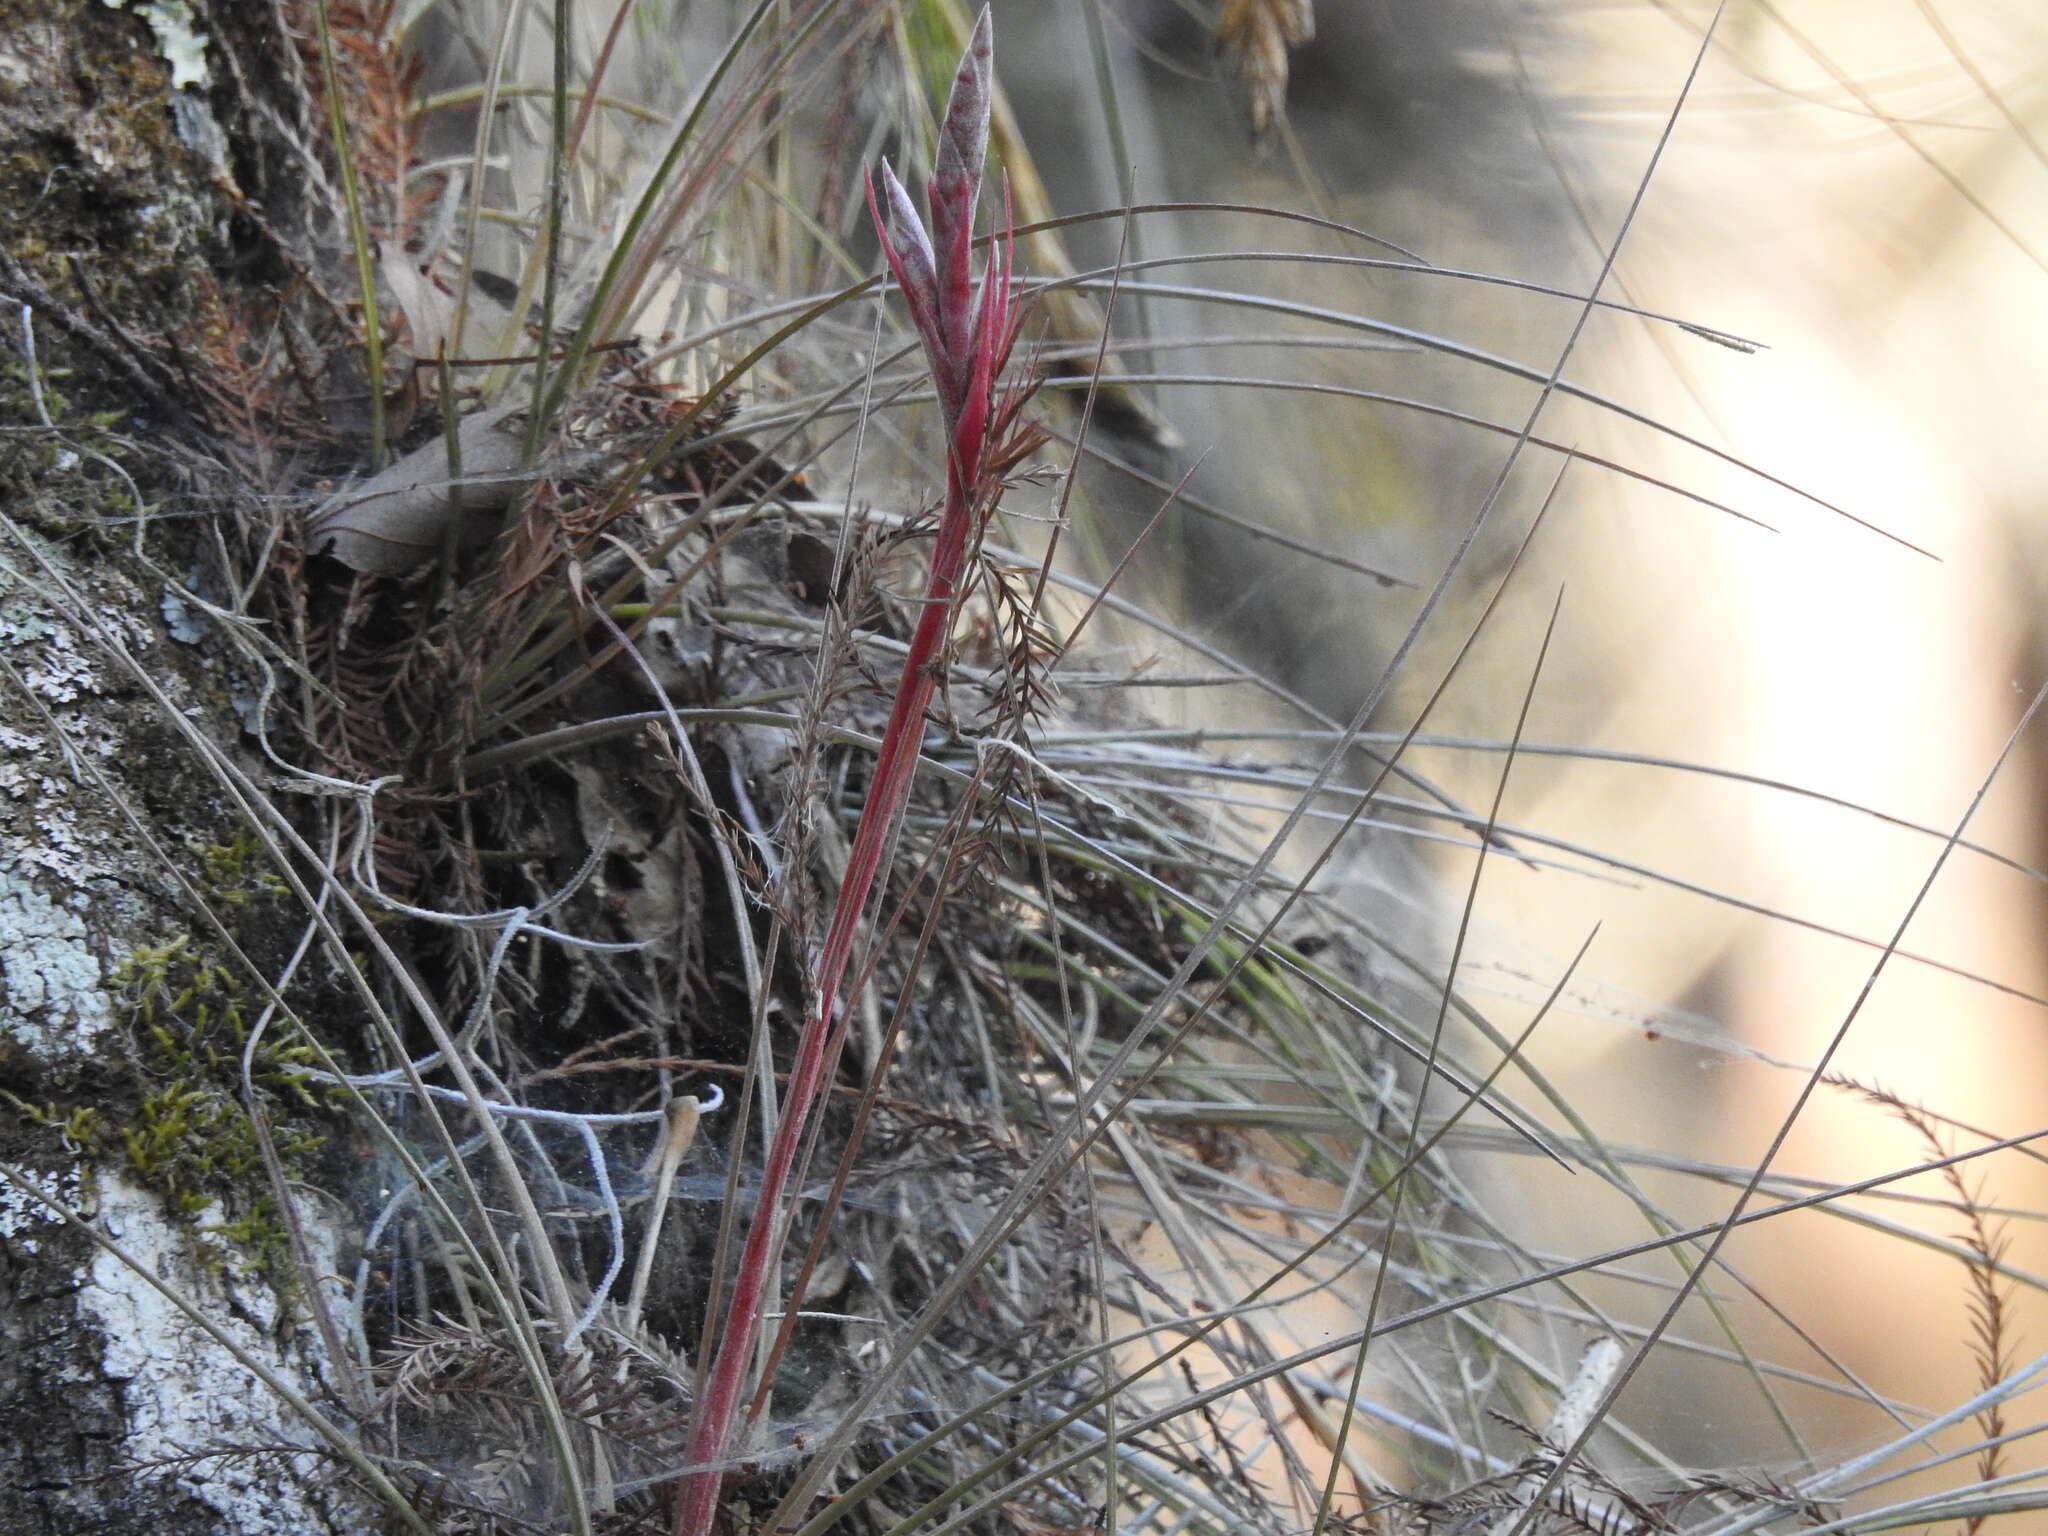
[1255,36]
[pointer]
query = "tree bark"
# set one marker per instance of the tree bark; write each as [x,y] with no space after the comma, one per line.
[135,158]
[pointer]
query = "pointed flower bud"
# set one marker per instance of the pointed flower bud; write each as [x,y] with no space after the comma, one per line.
[920,272]
[963,133]
[956,169]
[935,270]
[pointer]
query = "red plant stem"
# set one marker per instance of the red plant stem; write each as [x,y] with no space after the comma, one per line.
[718,1394]
[966,345]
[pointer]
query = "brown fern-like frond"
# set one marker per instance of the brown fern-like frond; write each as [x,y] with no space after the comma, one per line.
[379,81]
[244,383]
[1255,38]
[1991,1343]
[1756,1492]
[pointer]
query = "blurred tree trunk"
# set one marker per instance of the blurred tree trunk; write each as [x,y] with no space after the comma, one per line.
[144,171]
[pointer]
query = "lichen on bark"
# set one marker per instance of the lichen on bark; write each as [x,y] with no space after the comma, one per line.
[122,193]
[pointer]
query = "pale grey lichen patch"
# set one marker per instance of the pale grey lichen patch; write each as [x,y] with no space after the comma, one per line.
[52,994]
[180,622]
[199,131]
[62,855]
[22,1215]
[46,654]
[17,780]
[178,38]
[52,998]
[208,1401]
[67,862]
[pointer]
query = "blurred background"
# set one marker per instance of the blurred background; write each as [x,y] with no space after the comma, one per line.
[1793,638]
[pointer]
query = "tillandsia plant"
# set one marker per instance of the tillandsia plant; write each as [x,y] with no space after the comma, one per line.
[968,329]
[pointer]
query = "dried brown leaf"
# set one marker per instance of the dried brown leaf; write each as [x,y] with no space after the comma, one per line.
[397,519]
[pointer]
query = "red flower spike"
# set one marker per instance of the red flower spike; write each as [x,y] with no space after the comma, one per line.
[967,344]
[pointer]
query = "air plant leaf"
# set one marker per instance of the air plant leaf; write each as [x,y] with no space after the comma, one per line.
[963,135]
[912,262]
[988,347]
[908,250]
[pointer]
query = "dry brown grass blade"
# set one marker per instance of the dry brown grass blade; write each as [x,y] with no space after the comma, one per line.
[1255,37]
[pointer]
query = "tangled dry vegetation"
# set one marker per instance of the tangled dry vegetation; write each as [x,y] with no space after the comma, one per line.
[563,651]
[557,727]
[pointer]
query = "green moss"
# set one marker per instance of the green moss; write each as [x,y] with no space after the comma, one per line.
[80,1126]
[191,1138]
[238,872]
[185,1130]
